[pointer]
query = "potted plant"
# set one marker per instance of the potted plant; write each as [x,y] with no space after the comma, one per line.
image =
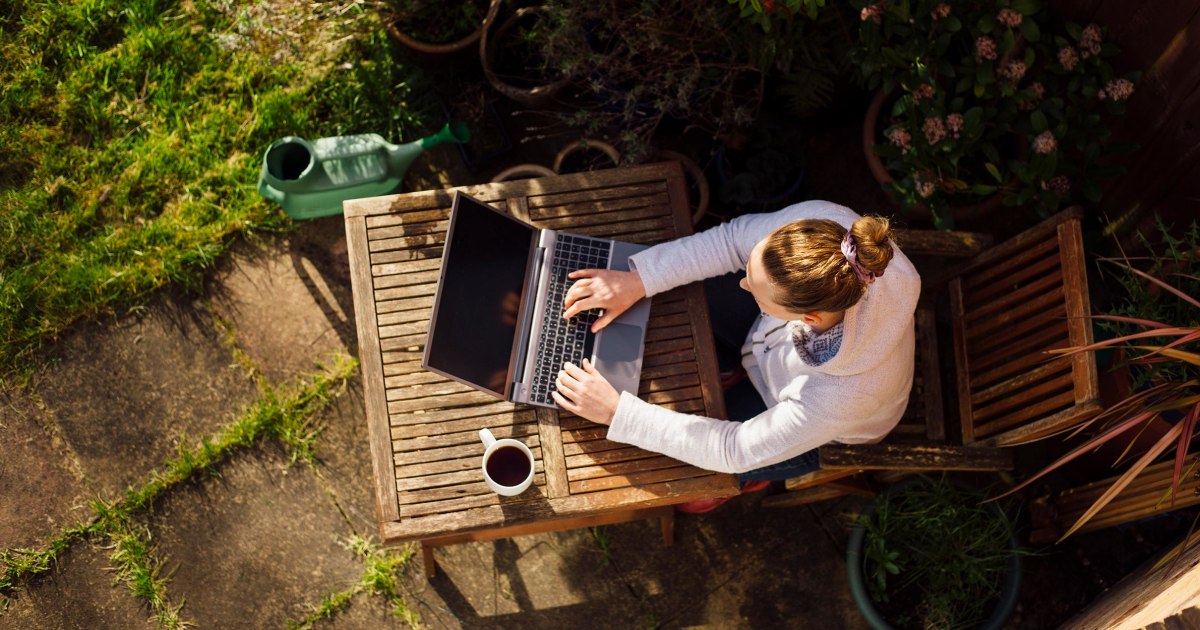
[926,554]
[638,66]
[984,104]
[760,171]
[435,27]
[514,59]
[1157,329]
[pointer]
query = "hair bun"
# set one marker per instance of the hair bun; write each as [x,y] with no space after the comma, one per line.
[873,239]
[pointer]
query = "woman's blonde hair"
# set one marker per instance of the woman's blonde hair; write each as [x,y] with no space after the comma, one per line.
[805,263]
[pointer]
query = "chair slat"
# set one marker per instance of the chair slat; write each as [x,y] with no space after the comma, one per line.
[1018,355]
[1037,309]
[1043,408]
[1029,394]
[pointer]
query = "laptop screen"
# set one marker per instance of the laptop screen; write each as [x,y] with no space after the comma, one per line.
[475,315]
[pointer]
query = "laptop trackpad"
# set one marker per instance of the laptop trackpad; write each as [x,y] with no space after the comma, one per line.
[618,354]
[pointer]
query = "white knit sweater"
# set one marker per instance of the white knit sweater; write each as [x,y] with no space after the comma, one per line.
[855,397]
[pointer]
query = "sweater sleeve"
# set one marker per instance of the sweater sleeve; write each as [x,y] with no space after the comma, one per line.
[716,251]
[786,430]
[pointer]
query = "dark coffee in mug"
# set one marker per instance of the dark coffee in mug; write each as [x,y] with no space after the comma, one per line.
[508,466]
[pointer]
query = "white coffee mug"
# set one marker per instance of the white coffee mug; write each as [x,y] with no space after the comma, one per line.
[506,474]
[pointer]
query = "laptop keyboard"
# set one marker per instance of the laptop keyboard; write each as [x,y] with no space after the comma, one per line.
[564,340]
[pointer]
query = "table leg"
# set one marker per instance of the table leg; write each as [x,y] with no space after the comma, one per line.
[667,523]
[427,559]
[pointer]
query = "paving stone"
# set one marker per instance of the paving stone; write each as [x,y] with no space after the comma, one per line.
[551,580]
[288,298]
[124,392]
[344,453]
[741,566]
[39,490]
[77,594]
[254,546]
[366,612]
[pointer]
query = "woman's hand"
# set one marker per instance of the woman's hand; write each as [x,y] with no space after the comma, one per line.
[613,291]
[585,393]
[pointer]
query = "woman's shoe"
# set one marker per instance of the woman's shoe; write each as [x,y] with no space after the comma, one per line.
[701,506]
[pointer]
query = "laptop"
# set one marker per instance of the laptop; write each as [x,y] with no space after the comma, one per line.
[497,321]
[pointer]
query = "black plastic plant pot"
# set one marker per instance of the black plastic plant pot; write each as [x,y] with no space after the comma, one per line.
[1005,603]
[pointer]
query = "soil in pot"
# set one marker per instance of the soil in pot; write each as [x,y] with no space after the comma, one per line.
[437,23]
[513,59]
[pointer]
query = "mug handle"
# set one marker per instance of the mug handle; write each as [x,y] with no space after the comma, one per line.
[487,437]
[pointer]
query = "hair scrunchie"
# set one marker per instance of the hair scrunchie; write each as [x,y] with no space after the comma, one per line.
[850,251]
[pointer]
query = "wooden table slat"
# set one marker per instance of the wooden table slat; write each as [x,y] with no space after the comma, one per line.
[637,479]
[420,480]
[621,469]
[496,407]
[471,397]
[457,438]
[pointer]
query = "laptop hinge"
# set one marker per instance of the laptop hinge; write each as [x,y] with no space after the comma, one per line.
[525,333]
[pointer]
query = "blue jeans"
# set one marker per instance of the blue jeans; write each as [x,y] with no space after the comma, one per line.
[733,312]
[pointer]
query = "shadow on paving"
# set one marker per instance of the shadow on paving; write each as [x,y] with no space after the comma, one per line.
[126,390]
[288,299]
[742,566]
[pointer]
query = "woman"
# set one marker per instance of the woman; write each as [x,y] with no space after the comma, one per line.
[830,353]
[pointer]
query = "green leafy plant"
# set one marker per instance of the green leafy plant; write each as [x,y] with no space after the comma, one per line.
[640,63]
[989,98]
[933,556]
[761,165]
[1157,329]
[437,21]
[766,12]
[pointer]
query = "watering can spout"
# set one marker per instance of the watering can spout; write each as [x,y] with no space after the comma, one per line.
[454,131]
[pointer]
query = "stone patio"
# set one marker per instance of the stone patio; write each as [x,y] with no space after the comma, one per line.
[262,541]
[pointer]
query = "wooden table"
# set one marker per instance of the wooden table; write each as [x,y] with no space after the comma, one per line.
[425,448]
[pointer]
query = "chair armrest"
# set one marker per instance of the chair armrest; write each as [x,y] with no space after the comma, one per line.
[913,457]
[942,243]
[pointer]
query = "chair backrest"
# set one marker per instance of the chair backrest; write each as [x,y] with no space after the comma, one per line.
[1009,306]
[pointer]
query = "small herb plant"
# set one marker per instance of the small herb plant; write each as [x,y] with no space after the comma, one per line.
[934,557]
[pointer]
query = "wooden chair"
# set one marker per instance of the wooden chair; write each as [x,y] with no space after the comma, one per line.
[1146,495]
[1009,304]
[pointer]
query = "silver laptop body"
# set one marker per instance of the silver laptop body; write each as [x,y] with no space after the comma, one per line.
[497,281]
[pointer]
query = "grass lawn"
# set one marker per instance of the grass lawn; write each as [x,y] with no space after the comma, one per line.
[133,132]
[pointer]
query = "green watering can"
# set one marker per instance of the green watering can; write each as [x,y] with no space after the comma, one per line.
[312,179]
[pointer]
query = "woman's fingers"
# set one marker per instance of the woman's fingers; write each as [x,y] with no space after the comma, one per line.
[574,371]
[580,306]
[566,403]
[565,383]
[584,273]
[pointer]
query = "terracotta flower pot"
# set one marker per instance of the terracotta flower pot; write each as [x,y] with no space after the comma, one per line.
[523,171]
[536,95]
[586,144]
[436,49]
[960,214]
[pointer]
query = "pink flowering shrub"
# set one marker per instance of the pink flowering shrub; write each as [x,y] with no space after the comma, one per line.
[988,97]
